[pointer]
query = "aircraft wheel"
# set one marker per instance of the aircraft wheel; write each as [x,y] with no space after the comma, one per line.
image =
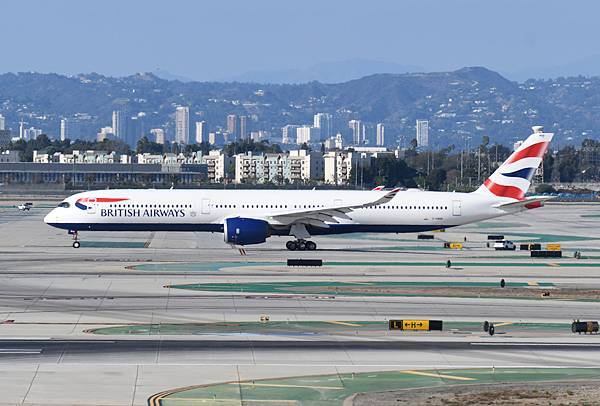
[76,244]
[301,245]
[291,245]
[311,246]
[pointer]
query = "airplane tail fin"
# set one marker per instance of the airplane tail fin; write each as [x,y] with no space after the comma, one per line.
[513,178]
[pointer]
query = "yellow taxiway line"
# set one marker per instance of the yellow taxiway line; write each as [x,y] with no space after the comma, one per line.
[432,375]
[281,385]
[343,323]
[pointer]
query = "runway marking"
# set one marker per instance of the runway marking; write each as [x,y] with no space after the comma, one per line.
[495,344]
[343,323]
[553,264]
[503,324]
[232,401]
[533,284]
[277,385]
[19,351]
[433,375]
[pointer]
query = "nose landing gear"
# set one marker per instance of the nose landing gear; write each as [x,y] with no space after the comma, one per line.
[76,243]
[301,245]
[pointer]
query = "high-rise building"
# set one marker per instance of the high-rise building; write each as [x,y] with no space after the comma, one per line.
[159,135]
[422,133]
[135,129]
[243,128]
[31,133]
[64,129]
[306,134]
[21,130]
[358,131]
[182,125]
[288,133]
[201,132]
[380,135]
[216,138]
[104,133]
[2,122]
[323,122]
[119,123]
[232,127]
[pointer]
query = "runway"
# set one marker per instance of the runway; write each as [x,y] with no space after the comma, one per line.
[53,298]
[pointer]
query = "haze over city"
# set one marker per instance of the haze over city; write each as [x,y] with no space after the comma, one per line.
[272,40]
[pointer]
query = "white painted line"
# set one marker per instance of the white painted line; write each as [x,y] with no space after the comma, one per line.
[19,351]
[495,344]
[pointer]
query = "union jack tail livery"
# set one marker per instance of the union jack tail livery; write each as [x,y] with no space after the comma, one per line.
[513,178]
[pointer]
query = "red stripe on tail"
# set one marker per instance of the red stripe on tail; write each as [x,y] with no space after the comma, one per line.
[532,151]
[504,191]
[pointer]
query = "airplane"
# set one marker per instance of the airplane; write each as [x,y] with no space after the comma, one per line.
[247,217]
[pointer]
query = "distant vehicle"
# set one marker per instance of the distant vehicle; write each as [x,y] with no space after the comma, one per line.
[25,206]
[248,217]
[505,246]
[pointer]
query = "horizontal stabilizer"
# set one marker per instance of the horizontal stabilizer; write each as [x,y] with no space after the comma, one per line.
[529,203]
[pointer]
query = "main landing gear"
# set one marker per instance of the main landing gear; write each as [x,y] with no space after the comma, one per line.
[76,243]
[301,245]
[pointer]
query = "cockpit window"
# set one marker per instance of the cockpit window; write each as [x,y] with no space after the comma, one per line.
[63,204]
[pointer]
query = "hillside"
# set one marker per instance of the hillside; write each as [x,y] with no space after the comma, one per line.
[470,102]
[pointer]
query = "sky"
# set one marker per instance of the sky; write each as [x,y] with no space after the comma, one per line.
[211,40]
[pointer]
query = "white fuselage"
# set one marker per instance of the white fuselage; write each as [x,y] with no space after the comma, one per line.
[206,210]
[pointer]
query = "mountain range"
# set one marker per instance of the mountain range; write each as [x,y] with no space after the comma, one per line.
[462,106]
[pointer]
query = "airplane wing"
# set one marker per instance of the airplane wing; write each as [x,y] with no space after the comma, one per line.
[319,216]
[528,203]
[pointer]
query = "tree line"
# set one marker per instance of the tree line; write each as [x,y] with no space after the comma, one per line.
[444,169]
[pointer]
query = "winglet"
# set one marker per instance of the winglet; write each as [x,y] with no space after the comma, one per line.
[378,188]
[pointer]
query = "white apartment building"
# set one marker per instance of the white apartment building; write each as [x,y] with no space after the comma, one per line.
[82,157]
[338,166]
[305,165]
[294,166]
[169,158]
[218,165]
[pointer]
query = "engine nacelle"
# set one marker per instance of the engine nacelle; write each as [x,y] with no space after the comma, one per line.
[245,231]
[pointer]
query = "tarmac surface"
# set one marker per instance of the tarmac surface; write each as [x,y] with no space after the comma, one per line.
[129,315]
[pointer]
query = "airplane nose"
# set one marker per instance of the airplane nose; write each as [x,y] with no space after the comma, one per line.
[50,217]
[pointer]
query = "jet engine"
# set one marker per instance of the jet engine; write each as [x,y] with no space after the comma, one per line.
[245,231]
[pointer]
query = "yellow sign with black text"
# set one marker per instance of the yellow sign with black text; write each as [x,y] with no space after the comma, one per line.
[415,325]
